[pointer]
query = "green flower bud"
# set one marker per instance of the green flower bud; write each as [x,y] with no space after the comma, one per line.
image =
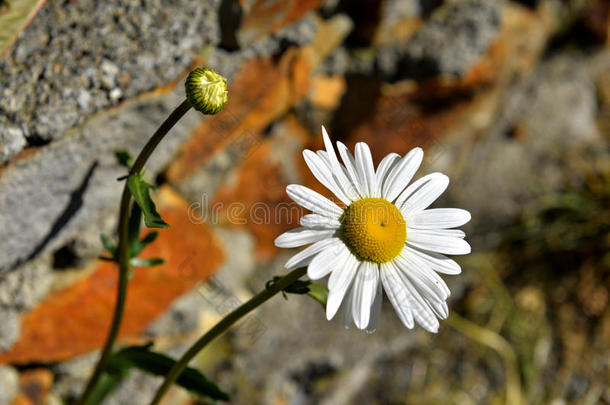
[206,90]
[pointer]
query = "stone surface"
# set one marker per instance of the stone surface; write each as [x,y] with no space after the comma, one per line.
[454,38]
[151,290]
[72,182]
[9,381]
[265,17]
[9,318]
[35,385]
[12,142]
[90,56]
[266,88]
[552,110]
[264,209]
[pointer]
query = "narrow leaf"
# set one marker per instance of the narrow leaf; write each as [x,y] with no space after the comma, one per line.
[301,287]
[154,363]
[124,158]
[108,244]
[319,293]
[145,241]
[140,190]
[135,220]
[107,383]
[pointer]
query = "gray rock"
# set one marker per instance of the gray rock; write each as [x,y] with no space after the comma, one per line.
[9,333]
[298,33]
[12,142]
[180,318]
[20,290]
[201,186]
[72,183]
[394,10]
[9,383]
[550,114]
[72,375]
[449,43]
[78,58]
[138,389]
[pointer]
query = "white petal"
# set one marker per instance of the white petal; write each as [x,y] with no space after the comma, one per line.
[302,236]
[365,287]
[304,257]
[319,221]
[383,169]
[441,310]
[423,192]
[425,280]
[365,168]
[375,310]
[401,174]
[337,169]
[343,277]
[437,242]
[333,257]
[396,294]
[324,175]
[439,218]
[451,233]
[422,313]
[313,201]
[350,166]
[351,187]
[436,261]
[347,306]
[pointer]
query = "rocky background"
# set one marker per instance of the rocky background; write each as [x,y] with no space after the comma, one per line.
[510,98]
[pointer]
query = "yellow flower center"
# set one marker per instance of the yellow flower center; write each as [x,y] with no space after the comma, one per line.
[373,229]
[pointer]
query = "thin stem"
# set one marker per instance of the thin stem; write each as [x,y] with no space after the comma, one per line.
[123,249]
[222,326]
[152,143]
[120,299]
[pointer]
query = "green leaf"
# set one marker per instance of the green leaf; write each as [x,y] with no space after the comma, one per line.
[301,287]
[140,190]
[154,363]
[107,383]
[149,238]
[319,293]
[135,221]
[108,244]
[142,243]
[137,262]
[124,158]
[107,259]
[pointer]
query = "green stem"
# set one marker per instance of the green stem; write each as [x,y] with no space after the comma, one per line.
[222,326]
[152,143]
[123,248]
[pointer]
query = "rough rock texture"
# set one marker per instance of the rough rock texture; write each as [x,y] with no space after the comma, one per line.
[73,180]
[89,56]
[9,380]
[454,38]
[510,98]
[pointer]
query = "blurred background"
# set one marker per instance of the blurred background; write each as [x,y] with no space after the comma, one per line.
[510,98]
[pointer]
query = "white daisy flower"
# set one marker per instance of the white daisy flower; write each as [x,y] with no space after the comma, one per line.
[384,236]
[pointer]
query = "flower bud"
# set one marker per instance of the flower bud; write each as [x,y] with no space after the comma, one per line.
[206,90]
